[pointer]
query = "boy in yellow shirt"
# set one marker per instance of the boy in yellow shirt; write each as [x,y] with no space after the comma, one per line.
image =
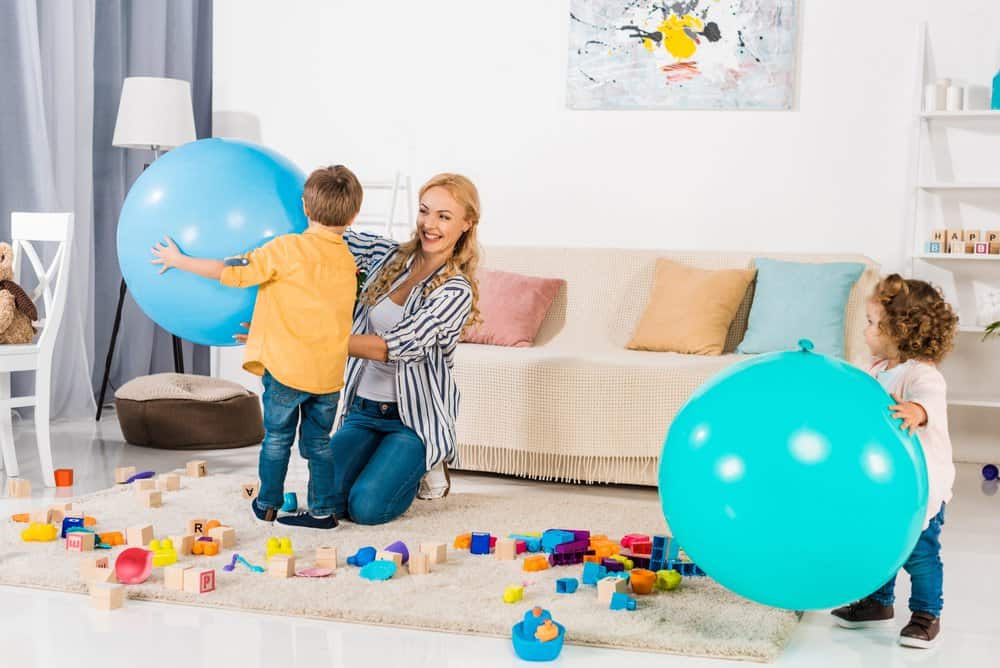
[298,336]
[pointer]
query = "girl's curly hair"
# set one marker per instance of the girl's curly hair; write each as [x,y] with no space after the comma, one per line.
[917,318]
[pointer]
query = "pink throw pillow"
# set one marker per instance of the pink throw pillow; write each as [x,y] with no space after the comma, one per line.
[512,307]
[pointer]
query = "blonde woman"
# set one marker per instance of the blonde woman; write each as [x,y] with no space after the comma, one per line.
[400,398]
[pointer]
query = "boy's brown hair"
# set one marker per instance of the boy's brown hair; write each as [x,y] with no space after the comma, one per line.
[917,318]
[332,196]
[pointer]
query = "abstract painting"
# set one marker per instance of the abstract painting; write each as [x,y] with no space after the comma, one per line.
[681,54]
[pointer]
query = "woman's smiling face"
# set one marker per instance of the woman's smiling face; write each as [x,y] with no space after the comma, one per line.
[441,221]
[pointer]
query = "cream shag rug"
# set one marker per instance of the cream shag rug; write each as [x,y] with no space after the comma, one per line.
[463,595]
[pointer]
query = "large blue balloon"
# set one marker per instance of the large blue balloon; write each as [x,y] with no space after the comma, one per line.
[787,480]
[215,198]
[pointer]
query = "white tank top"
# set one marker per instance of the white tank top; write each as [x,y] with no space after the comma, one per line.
[378,380]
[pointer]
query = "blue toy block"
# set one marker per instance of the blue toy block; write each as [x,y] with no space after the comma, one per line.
[480,543]
[553,537]
[566,585]
[687,569]
[933,246]
[70,522]
[534,543]
[620,601]
[593,572]
[378,570]
[621,575]
[658,556]
[673,549]
[362,557]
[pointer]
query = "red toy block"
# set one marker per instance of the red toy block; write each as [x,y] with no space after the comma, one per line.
[521,546]
[642,547]
[631,538]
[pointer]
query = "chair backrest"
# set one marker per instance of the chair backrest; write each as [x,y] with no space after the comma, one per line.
[53,281]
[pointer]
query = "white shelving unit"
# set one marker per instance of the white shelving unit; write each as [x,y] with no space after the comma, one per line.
[944,190]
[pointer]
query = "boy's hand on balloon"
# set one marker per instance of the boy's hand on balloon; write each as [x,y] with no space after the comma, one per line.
[167,254]
[242,338]
[911,413]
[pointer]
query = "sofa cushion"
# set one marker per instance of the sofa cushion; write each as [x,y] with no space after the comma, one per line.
[800,300]
[690,309]
[512,307]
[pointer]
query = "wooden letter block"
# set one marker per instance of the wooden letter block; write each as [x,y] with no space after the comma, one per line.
[197,468]
[505,550]
[41,517]
[326,557]
[972,235]
[106,596]
[139,536]
[182,543]
[173,576]
[170,482]
[955,241]
[990,236]
[144,484]
[249,490]
[19,487]
[281,566]
[608,586]
[123,473]
[940,236]
[90,565]
[79,541]
[982,248]
[390,556]
[198,581]
[437,551]
[151,498]
[933,247]
[995,248]
[197,527]
[420,564]
[225,536]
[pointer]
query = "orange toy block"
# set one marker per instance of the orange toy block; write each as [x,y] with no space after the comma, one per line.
[463,541]
[642,580]
[64,477]
[547,631]
[112,538]
[536,562]
[205,547]
[87,521]
[591,558]
[24,518]
[197,468]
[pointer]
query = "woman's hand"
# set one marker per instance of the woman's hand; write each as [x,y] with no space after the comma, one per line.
[167,254]
[911,413]
[242,338]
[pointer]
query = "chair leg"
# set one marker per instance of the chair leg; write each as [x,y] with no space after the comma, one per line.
[43,398]
[7,429]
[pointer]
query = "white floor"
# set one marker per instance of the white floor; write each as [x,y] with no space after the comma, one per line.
[43,629]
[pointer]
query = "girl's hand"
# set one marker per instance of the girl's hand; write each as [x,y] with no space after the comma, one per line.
[911,413]
[167,254]
[242,338]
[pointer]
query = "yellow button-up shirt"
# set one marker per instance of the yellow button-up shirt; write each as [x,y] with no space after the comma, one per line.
[302,318]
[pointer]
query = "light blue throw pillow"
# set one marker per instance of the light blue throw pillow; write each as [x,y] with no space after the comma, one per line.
[799,300]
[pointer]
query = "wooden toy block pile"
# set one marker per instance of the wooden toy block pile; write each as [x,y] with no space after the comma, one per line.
[964,242]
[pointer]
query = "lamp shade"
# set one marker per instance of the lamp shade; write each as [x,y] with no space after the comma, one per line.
[154,112]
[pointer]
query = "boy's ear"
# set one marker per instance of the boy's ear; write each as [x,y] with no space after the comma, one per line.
[305,209]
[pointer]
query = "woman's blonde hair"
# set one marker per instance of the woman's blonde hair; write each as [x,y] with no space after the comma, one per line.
[464,258]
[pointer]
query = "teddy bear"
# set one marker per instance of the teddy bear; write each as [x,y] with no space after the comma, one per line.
[17,311]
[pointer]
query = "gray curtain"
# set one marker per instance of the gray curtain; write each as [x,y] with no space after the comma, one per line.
[61,67]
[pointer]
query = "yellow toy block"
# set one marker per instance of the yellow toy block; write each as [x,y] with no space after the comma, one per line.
[164,553]
[42,533]
[279,546]
[513,594]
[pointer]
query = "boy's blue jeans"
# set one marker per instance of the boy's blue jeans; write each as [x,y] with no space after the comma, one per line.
[926,572]
[380,462]
[283,408]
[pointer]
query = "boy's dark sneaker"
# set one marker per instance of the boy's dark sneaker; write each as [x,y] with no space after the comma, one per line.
[863,614]
[308,521]
[921,632]
[263,514]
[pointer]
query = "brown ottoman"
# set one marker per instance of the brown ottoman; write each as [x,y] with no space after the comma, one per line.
[187,412]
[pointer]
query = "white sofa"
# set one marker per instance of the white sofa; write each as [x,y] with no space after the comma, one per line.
[579,406]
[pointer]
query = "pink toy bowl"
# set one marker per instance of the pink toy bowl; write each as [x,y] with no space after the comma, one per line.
[133,565]
[315,572]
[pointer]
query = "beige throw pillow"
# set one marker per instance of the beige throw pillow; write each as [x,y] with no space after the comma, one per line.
[690,309]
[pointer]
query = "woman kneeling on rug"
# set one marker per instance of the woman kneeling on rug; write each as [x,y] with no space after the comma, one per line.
[400,398]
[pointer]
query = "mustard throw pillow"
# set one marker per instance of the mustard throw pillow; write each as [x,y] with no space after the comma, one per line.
[690,309]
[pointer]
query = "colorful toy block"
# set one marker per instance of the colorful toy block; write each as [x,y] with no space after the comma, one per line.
[479,543]
[567,585]
[520,546]
[225,536]
[400,548]
[139,536]
[111,538]
[197,468]
[581,546]
[658,554]
[623,560]
[19,487]
[629,539]
[199,581]
[641,547]
[163,551]
[604,548]
[278,546]
[183,543]
[933,246]
[170,482]
[362,557]
[326,557]
[394,557]
[608,586]
[639,560]
[438,552]
[205,546]
[70,522]
[249,490]
[462,541]
[80,542]
[553,537]
[506,550]
[566,559]
[281,566]
[173,576]
[42,533]
[536,562]
[593,573]
[687,569]
[642,580]
[380,569]
[513,594]
[667,580]
[621,601]
[420,564]
[532,541]
[106,596]
[613,565]
[64,477]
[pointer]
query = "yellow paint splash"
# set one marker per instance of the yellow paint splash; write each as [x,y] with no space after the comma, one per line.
[648,43]
[675,40]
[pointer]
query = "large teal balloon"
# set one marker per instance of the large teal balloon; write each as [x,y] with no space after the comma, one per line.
[787,480]
[215,198]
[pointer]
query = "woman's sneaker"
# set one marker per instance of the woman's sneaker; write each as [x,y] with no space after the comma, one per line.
[308,521]
[863,614]
[921,632]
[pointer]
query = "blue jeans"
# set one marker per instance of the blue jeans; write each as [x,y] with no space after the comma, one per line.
[380,462]
[926,572]
[283,408]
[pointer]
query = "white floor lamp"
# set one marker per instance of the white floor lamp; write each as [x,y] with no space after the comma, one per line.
[155,114]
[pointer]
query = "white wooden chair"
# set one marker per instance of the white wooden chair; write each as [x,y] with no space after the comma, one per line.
[385,220]
[52,288]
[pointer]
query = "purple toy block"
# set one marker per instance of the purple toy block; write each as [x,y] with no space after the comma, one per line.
[575,546]
[612,565]
[400,548]
[639,560]
[567,559]
[579,534]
